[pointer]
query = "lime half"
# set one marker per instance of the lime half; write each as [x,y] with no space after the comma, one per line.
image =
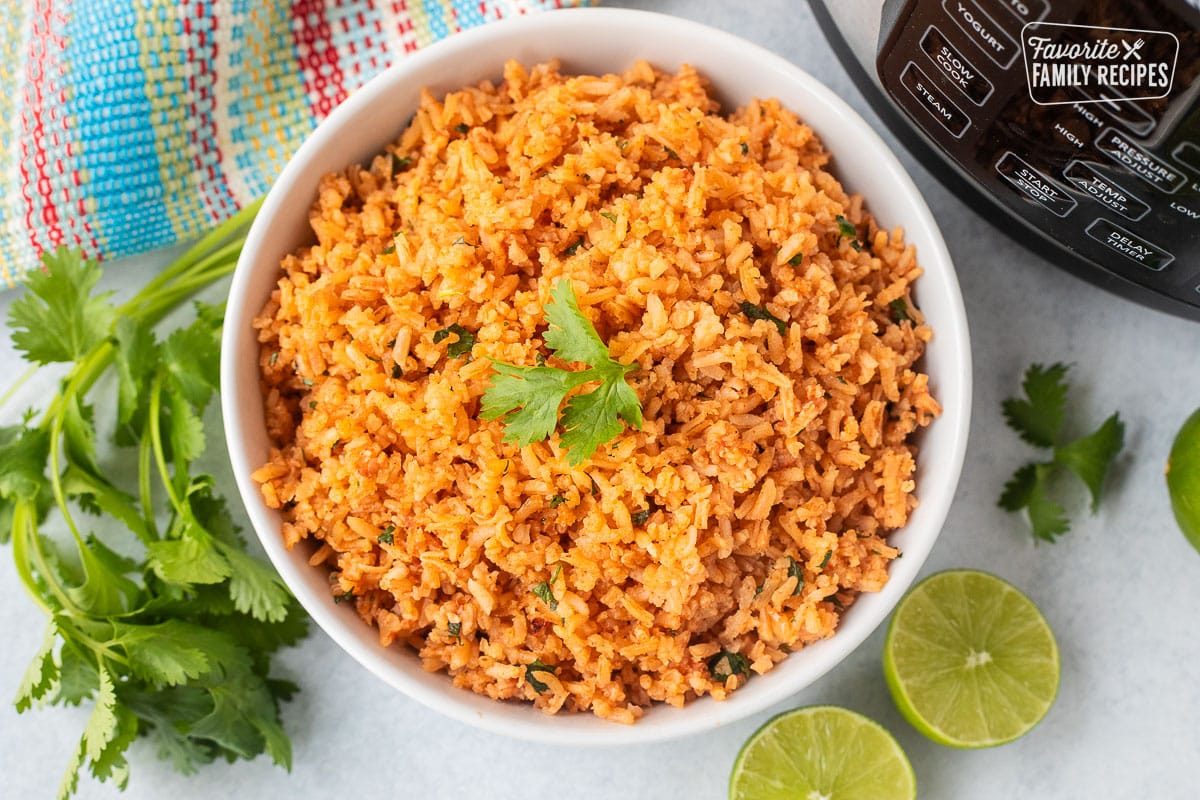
[1183,479]
[970,660]
[821,753]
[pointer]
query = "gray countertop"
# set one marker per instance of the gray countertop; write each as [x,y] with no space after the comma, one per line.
[1122,590]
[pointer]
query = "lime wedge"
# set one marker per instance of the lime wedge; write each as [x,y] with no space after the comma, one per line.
[1183,478]
[821,753]
[970,660]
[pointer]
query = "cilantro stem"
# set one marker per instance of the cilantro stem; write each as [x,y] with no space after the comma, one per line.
[20,529]
[160,457]
[195,254]
[79,381]
[17,384]
[56,430]
[29,530]
[153,311]
[102,650]
[145,493]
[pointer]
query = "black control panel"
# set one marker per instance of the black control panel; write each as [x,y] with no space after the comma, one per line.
[1111,175]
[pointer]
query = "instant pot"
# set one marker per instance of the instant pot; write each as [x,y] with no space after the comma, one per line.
[1073,125]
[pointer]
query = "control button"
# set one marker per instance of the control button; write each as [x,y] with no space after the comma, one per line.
[982,30]
[1026,10]
[1129,245]
[1121,109]
[1188,154]
[1106,191]
[1152,170]
[1035,185]
[934,100]
[955,66]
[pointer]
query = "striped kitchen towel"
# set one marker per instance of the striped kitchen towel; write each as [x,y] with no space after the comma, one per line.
[132,124]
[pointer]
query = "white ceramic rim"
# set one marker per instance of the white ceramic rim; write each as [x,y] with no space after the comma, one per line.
[952,387]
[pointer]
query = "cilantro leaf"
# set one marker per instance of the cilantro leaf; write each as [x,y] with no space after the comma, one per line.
[102,724]
[255,587]
[185,429]
[190,559]
[846,228]
[898,310]
[461,346]
[543,591]
[169,714]
[1028,489]
[59,319]
[796,571]
[104,497]
[1047,518]
[1019,488]
[41,675]
[111,764]
[162,653]
[78,678]
[1091,456]
[760,312]
[724,665]
[1039,418]
[536,391]
[531,676]
[590,418]
[70,779]
[191,358]
[136,363]
[23,456]
[570,334]
[105,590]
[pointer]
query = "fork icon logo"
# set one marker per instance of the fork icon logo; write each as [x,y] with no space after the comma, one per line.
[1133,49]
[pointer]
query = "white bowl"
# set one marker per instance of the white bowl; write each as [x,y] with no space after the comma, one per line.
[597,40]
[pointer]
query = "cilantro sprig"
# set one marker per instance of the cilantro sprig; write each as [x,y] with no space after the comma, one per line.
[1038,419]
[155,612]
[527,399]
